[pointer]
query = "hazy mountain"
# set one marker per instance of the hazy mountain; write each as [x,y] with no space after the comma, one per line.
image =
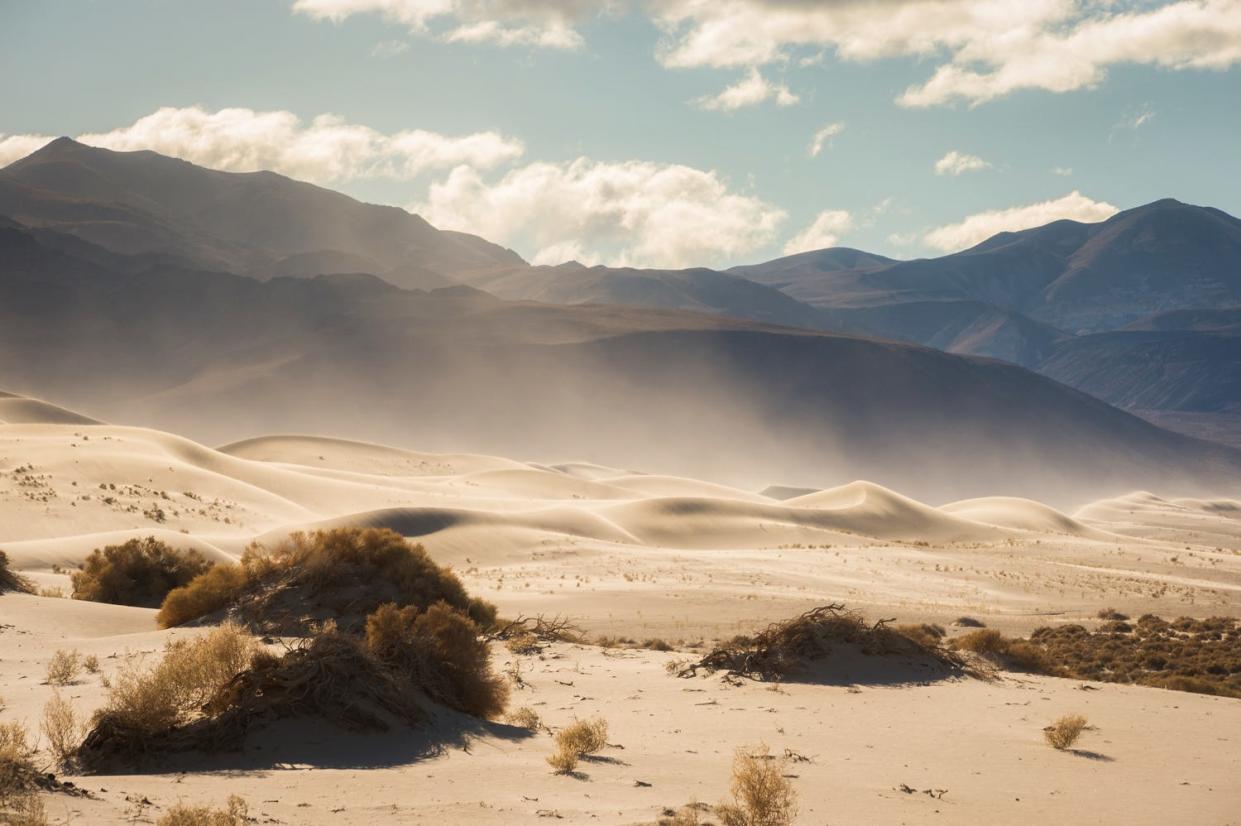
[221,357]
[256,223]
[1076,277]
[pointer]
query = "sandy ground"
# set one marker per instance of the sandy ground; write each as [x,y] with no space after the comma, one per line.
[646,556]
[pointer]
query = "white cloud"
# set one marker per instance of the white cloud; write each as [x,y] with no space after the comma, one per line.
[1062,171]
[542,23]
[326,149]
[1138,119]
[389,48]
[956,163]
[16,147]
[985,48]
[979,227]
[633,213]
[749,91]
[823,138]
[823,232]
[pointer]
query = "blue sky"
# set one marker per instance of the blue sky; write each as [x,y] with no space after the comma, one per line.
[601,129]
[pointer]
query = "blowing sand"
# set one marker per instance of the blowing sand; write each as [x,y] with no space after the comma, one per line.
[641,556]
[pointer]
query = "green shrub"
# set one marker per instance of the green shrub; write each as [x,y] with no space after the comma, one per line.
[139,572]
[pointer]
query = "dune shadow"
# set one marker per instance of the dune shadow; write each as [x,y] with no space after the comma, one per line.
[848,666]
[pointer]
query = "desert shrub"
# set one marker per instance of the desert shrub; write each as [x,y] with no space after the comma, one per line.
[235,813]
[64,667]
[528,635]
[524,717]
[1012,654]
[173,691]
[1064,732]
[575,741]
[139,572]
[209,592]
[19,779]
[656,645]
[925,635]
[690,815]
[968,622]
[762,795]
[91,664]
[784,648]
[61,727]
[440,651]
[1110,614]
[342,575]
[10,580]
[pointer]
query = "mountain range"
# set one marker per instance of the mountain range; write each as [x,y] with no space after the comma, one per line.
[142,288]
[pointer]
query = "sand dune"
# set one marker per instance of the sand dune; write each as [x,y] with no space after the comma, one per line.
[1022,514]
[19,410]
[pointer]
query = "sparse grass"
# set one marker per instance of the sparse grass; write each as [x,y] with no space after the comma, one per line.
[576,741]
[62,727]
[10,580]
[1063,733]
[235,813]
[524,717]
[442,652]
[64,668]
[785,648]
[762,795]
[343,574]
[139,572]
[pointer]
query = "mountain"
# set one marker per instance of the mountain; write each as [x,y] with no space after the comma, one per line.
[222,357]
[256,223]
[1072,276]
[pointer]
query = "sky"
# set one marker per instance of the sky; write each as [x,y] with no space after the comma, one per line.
[665,134]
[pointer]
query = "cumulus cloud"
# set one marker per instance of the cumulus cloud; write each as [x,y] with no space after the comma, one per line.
[541,23]
[985,48]
[326,149]
[633,213]
[979,227]
[823,138]
[16,147]
[956,163]
[824,231]
[749,91]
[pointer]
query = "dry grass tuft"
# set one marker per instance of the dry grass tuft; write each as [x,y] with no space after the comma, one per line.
[575,741]
[524,717]
[10,580]
[20,804]
[441,651]
[341,575]
[62,728]
[64,668]
[235,813]
[139,572]
[784,648]
[1064,732]
[762,795]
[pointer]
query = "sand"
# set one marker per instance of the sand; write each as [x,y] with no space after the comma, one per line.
[645,556]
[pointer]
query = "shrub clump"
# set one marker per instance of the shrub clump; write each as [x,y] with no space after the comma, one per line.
[10,580]
[235,813]
[575,741]
[341,575]
[1063,733]
[442,652]
[762,795]
[1006,652]
[64,667]
[20,781]
[139,572]
[784,648]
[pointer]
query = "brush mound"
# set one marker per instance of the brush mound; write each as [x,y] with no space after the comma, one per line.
[10,580]
[785,649]
[339,576]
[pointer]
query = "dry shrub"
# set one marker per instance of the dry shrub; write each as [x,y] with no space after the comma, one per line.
[10,580]
[690,815]
[656,644]
[1008,653]
[172,692]
[782,649]
[524,717]
[440,651]
[1111,614]
[968,622]
[1064,732]
[577,740]
[20,804]
[235,813]
[61,727]
[342,575]
[139,572]
[64,667]
[91,664]
[762,795]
